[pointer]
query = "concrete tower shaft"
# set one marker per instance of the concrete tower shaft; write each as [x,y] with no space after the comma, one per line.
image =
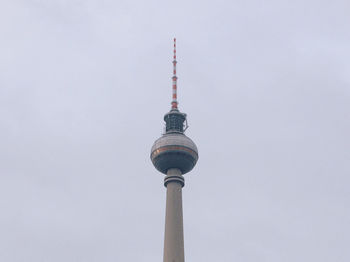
[174,233]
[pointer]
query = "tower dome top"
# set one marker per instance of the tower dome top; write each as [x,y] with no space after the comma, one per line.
[174,150]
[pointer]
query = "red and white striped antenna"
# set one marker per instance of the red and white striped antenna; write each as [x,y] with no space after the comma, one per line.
[174,101]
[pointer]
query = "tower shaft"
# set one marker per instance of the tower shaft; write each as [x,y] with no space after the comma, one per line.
[174,236]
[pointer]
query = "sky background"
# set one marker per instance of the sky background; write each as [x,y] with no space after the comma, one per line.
[84,86]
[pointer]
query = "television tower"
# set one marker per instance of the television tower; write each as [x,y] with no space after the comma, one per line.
[174,154]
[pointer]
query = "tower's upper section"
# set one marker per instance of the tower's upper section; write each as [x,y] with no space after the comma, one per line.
[174,149]
[174,101]
[174,120]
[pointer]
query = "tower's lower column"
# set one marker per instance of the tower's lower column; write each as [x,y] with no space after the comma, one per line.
[174,236]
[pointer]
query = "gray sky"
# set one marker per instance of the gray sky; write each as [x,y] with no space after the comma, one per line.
[84,86]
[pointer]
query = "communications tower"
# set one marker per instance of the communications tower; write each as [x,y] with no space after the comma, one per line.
[174,154]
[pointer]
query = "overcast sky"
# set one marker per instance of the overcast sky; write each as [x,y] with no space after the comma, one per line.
[84,85]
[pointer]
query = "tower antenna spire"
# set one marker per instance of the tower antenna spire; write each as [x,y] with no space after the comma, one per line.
[174,101]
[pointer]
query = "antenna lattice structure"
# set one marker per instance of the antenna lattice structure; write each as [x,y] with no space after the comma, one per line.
[174,102]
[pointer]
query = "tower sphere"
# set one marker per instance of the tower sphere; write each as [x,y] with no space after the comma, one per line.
[174,150]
